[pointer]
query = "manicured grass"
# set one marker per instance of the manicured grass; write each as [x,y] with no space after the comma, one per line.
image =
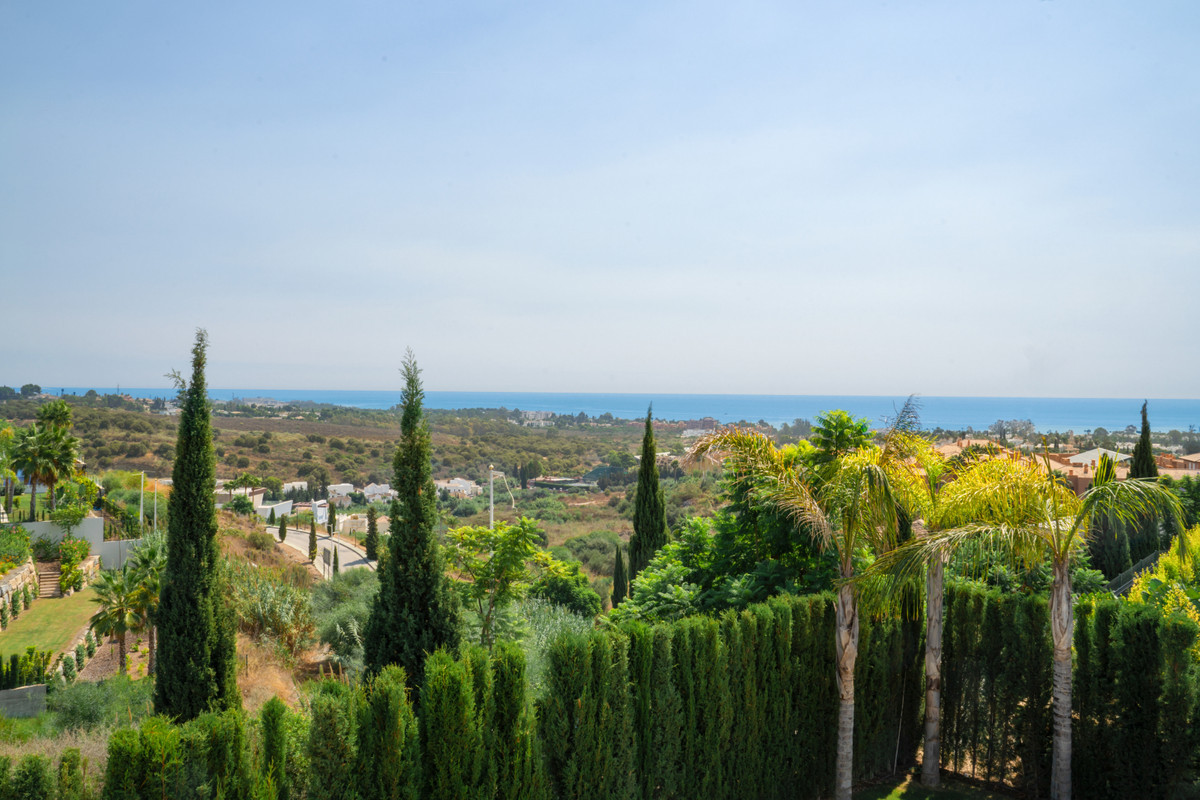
[909,788]
[49,624]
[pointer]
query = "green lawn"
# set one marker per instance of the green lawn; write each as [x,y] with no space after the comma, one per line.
[909,788]
[49,624]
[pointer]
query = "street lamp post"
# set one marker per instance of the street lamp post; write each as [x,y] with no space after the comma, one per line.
[491,496]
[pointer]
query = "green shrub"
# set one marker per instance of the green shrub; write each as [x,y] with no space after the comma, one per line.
[450,739]
[389,759]
[68,669]
[571,591]
[89,642]
[331,742]
[275,746]
[260,540]
[80,656]
[70,776]
[4,615]
[86,706]
[33,779]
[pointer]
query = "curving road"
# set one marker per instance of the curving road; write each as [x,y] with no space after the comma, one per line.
[349,556]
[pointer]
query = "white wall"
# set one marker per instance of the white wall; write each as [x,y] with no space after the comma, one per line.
[113,554]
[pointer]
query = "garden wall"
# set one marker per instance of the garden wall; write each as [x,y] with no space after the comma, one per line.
[28,701]
[18,577]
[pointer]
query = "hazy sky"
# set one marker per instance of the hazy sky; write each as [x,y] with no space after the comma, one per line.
[986,198]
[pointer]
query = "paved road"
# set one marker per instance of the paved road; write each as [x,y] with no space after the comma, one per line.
[349,556]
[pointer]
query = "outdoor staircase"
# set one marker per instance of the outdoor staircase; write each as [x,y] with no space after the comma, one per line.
[48,584]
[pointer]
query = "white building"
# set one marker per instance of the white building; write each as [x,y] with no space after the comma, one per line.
[459,487]
[340,489]
[378,492]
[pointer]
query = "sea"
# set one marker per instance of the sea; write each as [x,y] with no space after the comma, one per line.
[1060,414]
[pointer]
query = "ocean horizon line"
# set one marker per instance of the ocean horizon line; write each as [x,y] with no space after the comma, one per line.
[937,411]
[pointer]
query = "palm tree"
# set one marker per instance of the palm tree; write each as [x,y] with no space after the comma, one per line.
[1016,506]
[118,613]
[6,465]
[34,454]
[147,565]
[844,503]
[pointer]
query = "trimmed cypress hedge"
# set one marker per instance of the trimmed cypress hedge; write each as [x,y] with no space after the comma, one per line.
[740,706]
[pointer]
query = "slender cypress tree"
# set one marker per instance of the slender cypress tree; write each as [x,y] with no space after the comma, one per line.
[414,612]
[1143,464]
[620,588]
[271,519]
[332,526]
[372,542]
[282,528]
[336,566]
[1147,536]
[650,508]
[312,537]
[197,661]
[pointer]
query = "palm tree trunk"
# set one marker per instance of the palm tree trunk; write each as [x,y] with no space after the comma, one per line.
[32,500]
[846,634]
[50,494]
[1062,624]
[932,760]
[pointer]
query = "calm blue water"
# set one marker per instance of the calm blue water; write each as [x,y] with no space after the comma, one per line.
[955,413]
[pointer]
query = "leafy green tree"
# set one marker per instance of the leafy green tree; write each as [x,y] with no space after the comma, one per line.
[241,505]
[569,588]
[372,541]
[30,389]
[497,566]
[414,613]
[118,612]
[196,636]
[650,508]
[620,588]
[837,433]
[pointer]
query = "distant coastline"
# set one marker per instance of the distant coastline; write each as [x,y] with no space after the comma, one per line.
[951,413]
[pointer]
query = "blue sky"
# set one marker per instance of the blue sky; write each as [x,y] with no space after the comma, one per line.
[795,198]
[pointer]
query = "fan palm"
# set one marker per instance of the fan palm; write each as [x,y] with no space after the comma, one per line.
[118,613]
[1016,506]
[35,455]
[147,565]
[844,504]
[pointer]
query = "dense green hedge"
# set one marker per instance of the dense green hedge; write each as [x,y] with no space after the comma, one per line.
[1135,692]
[742,706]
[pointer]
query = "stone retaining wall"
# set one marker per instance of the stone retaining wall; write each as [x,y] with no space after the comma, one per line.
[18,577]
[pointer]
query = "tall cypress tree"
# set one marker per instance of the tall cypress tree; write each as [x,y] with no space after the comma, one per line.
[1143,464]
[332,526]
[282,528]
[414,612]
[336,567]
[312,536]
[650,508]
[620,587]
[1148,536]
[372,542]
[196,656]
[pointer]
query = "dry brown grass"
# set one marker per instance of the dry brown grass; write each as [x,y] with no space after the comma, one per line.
[92,745]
